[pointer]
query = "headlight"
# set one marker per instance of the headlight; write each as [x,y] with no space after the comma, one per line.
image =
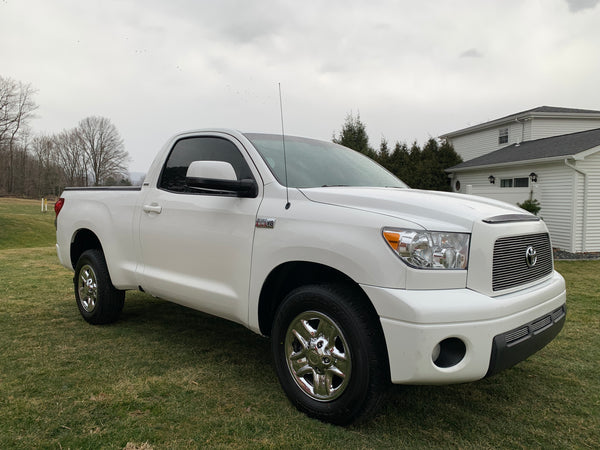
[429,249]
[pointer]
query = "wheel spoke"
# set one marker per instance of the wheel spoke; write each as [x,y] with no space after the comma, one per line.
[302,340]
[328,330]
[304,370]
[336,371]
[307,327]
[338,355]
[322,385]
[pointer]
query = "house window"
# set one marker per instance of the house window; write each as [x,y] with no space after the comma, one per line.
[514,182]
[522,182]
[503,136]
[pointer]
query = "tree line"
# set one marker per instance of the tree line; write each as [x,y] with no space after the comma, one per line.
[420,168]
[39,165]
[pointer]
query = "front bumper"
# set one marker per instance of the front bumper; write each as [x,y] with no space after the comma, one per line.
[458,335]
[516,345]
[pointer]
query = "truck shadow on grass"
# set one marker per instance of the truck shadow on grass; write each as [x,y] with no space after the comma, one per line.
[181,338]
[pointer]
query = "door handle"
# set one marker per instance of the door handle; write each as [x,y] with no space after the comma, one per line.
[153,208]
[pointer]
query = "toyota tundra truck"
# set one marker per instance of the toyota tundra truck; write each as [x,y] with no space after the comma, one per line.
[357,279]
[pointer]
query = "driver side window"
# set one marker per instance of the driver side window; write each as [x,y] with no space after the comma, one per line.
[201,148]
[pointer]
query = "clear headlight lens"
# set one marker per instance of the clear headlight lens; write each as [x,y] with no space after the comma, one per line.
[429,249]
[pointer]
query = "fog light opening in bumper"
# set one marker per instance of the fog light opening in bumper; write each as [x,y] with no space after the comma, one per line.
[448,353]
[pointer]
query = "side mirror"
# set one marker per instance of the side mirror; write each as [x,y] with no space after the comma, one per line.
[218,177]
[219,170]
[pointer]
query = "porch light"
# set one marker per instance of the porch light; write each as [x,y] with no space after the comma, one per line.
[533,177]
[492,179]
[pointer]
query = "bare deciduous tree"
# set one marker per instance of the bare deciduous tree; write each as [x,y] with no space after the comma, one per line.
[47,174]
[71,158]
[16,108]
[103,146]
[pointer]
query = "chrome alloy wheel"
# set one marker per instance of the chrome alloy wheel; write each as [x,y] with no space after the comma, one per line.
[87,287]
[318,356]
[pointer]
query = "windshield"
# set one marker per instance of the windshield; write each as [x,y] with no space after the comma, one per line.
[313,163]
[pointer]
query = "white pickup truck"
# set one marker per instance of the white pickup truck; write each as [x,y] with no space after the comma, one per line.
[358,279]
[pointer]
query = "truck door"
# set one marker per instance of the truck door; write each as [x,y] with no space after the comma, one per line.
[196,247]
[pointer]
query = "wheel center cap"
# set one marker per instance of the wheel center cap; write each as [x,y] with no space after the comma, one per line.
[318,354]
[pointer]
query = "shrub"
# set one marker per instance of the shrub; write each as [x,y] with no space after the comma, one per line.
[531,205]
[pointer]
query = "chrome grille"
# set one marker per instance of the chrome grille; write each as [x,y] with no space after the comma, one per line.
[542,323]
[517,334]
[528,331]
[510,265]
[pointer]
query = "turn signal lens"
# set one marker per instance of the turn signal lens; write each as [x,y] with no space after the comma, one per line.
[392,238]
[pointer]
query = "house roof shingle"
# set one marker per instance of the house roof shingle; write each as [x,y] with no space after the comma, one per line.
[551,147]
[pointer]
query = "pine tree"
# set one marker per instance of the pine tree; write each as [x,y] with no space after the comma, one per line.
[354,136]
[419,168]
[384,155]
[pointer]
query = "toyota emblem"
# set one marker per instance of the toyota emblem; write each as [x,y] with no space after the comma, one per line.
[531,256]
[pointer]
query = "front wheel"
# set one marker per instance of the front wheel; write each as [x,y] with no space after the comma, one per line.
[99,302]
[330,354]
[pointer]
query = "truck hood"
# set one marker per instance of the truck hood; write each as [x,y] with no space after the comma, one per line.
[432,210]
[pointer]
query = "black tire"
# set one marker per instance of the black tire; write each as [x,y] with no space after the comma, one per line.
[99,302]
[330,353]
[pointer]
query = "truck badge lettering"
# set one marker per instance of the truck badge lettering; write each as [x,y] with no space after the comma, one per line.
[265,223]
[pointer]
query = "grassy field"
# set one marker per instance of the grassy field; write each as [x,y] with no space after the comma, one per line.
[23,225]
[168,377]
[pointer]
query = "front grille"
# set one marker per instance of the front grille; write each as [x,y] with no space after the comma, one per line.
[510,265]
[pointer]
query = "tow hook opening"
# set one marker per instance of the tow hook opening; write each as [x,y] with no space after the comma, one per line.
[449,352]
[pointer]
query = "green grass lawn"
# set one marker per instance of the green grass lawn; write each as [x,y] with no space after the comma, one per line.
[23,225]
[167,377]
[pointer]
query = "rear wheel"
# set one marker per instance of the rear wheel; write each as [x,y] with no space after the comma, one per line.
[98,300]
[330,354]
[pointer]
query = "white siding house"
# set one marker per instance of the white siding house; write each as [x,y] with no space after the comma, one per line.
[559,148]
[537,123]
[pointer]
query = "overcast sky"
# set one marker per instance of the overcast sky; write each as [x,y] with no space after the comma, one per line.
[412,70]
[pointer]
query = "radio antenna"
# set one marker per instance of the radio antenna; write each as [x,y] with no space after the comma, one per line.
[287,189]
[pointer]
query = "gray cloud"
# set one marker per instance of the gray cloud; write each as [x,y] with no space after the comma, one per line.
[471,53]
[580,5]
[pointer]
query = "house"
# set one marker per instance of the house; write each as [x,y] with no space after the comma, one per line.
[548,154]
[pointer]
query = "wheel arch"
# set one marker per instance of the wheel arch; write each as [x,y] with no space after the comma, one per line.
[82,240]
[290,275]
